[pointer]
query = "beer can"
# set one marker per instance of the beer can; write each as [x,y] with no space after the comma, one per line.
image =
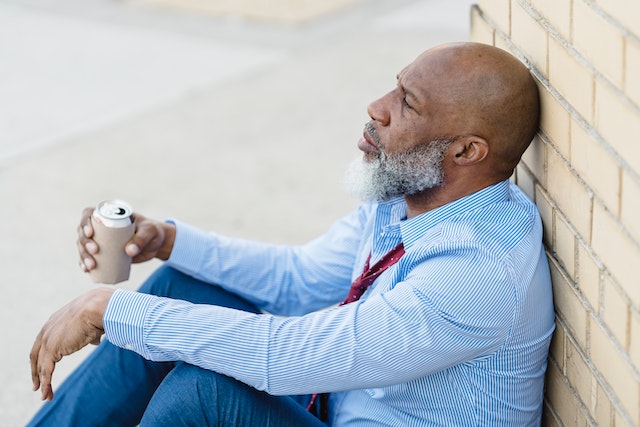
[112,222]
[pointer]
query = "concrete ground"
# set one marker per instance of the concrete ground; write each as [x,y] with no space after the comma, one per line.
[242,127]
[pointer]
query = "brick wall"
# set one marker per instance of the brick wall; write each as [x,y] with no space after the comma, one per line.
[583,172]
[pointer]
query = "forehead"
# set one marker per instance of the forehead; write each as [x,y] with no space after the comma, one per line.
[415,79]
[434,75]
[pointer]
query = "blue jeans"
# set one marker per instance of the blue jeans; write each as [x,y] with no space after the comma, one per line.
[117,387]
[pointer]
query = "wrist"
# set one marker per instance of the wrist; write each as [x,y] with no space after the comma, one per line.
[97,305]
[169,230]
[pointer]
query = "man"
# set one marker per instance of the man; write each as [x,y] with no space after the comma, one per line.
[448,322]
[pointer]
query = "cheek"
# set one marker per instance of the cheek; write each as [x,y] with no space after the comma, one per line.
[413,134]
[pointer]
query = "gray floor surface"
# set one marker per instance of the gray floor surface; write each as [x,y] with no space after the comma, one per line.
[241,127]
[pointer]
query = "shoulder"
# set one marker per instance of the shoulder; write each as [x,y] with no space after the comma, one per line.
[497,227]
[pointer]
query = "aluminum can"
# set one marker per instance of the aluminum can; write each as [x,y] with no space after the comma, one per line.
[113,227]
[114,213]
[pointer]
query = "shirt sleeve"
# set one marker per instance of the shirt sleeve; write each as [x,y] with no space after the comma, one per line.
[285,280]
[389,338]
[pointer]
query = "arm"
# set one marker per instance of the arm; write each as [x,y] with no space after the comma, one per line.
[417,328]
[280,279]
[277,278]
[432,318]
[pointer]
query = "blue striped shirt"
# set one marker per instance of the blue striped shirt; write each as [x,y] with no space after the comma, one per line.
[455,334]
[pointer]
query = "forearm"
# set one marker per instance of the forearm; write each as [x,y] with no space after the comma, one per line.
[277,278]
[381,341]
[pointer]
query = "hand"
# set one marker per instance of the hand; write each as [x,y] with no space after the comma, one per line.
[68,330]
[151,239]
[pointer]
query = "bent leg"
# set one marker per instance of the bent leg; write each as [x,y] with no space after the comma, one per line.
[192,396]
[113,386]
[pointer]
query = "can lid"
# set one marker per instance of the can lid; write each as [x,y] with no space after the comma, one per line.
[114,213]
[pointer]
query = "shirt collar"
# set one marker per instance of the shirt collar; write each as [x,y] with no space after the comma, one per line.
[412,229]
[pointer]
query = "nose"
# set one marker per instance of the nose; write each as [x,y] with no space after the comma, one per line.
[378,110]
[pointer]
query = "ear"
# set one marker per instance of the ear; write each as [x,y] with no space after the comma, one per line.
[469,149]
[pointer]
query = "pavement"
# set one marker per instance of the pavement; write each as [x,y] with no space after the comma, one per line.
[239,126]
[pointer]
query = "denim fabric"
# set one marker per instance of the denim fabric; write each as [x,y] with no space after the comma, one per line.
[117,387]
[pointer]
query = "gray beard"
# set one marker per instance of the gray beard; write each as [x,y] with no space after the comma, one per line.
[399,174]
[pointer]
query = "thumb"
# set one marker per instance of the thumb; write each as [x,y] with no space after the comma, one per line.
[132,249]
[144,234]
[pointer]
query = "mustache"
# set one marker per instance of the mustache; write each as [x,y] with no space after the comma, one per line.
[368,127]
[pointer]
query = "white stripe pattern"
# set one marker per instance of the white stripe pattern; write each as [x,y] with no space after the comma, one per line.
[455,334]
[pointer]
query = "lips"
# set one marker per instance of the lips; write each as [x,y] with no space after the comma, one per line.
[366,143]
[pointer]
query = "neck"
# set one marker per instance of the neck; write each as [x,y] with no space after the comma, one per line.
[425,201]
[435,197]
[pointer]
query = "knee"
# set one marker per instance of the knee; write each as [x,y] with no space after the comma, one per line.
[185,397]
[161,281]
[169,282]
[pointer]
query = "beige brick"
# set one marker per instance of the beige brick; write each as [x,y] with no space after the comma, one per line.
[579,374]
[569,194]
[548,417]
[498,11]
[562,400]
[618,253]
[596,166]
[565,246]
[555,122]
[529,36]
[620,420]
[630,204]
[557,13]
[600,42]
[535,158]
[627,12]
[602,411]
[481,31]
[572,79]
[525,180]
[616,121]
[546,210]
[632,71]
[615,370]
[615,311]
[588,276]
[634,345]
[568,305]
[502,43]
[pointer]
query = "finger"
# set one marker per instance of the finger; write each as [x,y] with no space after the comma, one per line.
[145,233]
[97,340]
[33,359]
[85,223]
[150,250]
[47,393]
[133,250]
[87,262]
[87,247]
[46,365]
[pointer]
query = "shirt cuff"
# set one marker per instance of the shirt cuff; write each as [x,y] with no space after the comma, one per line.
[189,248]
[123,320]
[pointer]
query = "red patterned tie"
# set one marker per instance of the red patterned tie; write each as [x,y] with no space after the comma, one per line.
[358,288]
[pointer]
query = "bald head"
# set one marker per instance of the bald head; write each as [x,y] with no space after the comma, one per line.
[477,99]
[484,91]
